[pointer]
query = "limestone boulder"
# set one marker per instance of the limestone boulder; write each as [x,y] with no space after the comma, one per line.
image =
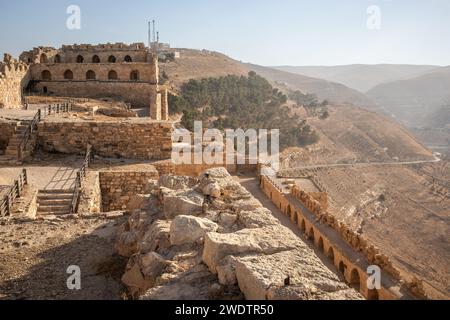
[156,238]
[293,274]
[268,240]
[126,244]
[257,218]
[152,265]
[177,182]
[192,285]
[141,202]
[182,203]
[134,279]
[226,271]
[212,189]
[190,229]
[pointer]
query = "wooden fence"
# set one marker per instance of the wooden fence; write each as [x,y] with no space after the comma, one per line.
[14,192]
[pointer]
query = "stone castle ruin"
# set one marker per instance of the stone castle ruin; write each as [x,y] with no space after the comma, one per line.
[124,72]
[187,231]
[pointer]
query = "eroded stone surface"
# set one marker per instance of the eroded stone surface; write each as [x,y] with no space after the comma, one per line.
[215,241]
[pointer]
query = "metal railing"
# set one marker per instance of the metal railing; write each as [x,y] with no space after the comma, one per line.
[14,192]
[81,174]
[40,114]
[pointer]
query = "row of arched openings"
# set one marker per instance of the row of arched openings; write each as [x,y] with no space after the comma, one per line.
[355,280]
[96,59]
[80,59]
[90,75]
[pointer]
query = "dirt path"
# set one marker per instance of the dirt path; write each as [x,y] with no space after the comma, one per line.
[361,164]
[34,257]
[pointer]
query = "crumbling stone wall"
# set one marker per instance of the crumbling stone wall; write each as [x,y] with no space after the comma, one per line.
[118,187]
[14,76]
[7,129]
[131,138]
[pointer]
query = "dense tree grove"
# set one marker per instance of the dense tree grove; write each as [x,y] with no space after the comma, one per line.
[310,103]
[241,102]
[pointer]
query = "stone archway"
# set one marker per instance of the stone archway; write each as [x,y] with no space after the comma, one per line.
[289,211]
[128,59]
[68,75]
[303,226]
[320,245]
[90,75]
[112,59]
[46,75]
[134,75]
[96,59]
[57,59]
[342,267]
[43,58]
[311,234]
[355,280]
[80,59]
[112,75]
[331,254]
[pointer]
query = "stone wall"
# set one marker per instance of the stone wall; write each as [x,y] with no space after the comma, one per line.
[69,53]
[118,187]
[138,94]
[314,224]
[132,138]
[146,72]
[14,76]
[90,197]
[7,129]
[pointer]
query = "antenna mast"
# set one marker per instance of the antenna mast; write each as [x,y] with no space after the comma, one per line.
[149,35]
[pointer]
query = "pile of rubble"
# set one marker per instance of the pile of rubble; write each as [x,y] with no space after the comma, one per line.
[211,239]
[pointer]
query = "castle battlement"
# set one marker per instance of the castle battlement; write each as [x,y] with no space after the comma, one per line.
[105,47]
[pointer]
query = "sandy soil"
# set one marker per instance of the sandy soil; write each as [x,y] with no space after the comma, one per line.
[34,257]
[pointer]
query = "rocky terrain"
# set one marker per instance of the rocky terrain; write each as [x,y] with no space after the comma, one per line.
[210,239]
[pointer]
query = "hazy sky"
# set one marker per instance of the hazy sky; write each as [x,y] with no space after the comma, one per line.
[267,32]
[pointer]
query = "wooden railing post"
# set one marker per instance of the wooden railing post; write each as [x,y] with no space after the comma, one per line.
[25,176]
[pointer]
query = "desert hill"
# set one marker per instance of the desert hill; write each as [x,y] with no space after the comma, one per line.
[414,100]
[355,135]
[195,64]
[351,134]
[361,77]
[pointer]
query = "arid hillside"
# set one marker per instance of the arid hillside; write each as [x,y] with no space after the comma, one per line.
[355,135]
[351,134]
[413,101]
[195,64]
[361,77]
[379,178]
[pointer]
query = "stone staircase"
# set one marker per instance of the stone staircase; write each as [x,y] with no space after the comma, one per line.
[12,150]
[54,202]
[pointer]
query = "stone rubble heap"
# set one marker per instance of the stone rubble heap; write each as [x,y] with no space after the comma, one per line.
[210,239]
